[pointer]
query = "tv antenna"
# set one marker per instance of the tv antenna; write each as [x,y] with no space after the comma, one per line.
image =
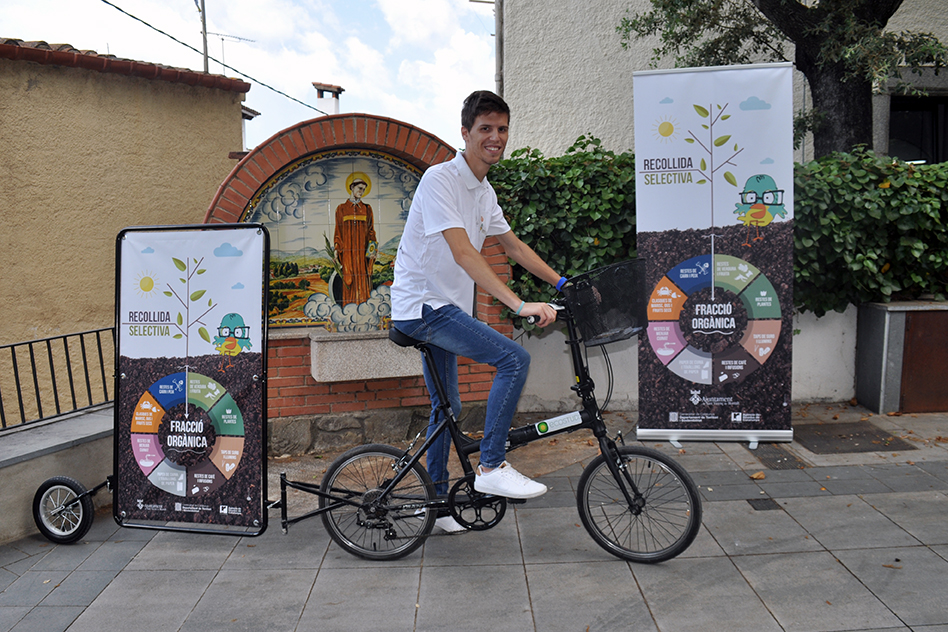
[231,38]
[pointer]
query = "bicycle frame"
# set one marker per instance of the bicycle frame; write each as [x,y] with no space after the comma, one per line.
[464,446]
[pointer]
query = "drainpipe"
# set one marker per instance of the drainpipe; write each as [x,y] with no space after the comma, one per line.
[499,46]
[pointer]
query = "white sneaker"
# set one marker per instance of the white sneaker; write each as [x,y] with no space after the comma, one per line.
[507,482]
[446,523]
[449,525]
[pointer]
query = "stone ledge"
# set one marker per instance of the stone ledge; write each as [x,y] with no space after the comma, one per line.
[42,438]
[347,357]
[910,306]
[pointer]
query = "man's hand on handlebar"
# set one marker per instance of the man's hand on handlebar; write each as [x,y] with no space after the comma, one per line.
[541,314]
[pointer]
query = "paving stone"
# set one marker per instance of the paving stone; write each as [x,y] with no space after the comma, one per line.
[161,600]
[812,591]
[909,580]
[343,600]
[492,600]
[740,530]
[11,615]
[112,556]
[598,596]
[273,600]
[303,546]
[48,619]
[923,514]
[846,522]
[170,550]
[79,588]
[693,594]
[66,557]
[556,535]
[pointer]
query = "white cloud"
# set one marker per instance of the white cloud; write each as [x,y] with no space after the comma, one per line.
[420,22]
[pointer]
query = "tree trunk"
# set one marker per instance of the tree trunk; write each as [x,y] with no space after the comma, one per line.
[843,103]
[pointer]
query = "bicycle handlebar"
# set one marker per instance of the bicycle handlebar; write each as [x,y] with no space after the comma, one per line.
[533,320]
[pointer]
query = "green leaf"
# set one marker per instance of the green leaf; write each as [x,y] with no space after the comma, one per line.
[179,264]
[690,141]
[167,293]
[730,178]
[180,319]
[196,295]
[721,140]
[704,165]
[202,271]
[703,113]
[177,336]
[203,333]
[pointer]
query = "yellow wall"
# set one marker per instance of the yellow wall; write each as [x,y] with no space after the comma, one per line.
[84,154]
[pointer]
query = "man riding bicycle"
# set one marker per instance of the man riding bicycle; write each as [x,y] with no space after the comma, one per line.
[439,261]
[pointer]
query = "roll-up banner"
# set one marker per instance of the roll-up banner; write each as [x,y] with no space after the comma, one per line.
[714,207]
[190,413]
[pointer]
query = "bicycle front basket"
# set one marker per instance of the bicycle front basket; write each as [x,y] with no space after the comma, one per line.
[609,303]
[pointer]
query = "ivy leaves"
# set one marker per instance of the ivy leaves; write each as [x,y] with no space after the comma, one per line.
[577,211]
[868,229]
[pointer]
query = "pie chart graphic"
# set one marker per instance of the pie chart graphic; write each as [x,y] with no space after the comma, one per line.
[187,434]
[713,320]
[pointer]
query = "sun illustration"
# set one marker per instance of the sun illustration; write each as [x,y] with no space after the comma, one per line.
[145,283]
[665,130]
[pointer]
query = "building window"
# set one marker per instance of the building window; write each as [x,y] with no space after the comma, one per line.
[918,128]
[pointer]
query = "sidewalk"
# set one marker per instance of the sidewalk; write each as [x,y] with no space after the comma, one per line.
[850,541]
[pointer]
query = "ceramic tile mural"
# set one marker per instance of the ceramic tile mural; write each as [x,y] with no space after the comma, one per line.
[335,220]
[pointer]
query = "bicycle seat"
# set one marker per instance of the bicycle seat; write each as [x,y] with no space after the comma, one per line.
[401,339]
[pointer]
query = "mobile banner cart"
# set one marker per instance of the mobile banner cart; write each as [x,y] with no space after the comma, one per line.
[714,207]
[190,411]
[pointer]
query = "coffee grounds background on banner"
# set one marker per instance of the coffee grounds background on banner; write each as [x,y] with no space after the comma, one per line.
[766,391]
[131,484]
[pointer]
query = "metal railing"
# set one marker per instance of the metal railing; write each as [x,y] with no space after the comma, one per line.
[45,378]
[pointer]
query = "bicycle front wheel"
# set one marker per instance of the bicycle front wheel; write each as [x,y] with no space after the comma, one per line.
[365,521]
[665,514]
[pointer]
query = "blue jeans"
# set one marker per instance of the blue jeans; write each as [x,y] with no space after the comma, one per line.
[452,333]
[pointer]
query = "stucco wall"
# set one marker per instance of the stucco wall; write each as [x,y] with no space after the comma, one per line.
[82,155]
[565,73]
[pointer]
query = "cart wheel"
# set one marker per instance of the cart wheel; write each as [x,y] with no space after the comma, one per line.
[61,510]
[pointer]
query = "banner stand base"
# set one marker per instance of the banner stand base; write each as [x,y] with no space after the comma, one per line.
[752,436]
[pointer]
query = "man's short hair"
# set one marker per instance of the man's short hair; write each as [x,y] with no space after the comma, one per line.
[481,102]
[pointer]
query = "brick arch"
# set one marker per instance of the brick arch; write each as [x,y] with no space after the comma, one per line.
[339,131]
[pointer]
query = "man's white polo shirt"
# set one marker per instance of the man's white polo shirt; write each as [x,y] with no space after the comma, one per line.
[449,195]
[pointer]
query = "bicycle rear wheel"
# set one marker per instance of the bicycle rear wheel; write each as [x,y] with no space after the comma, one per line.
[373,526]
[664,517]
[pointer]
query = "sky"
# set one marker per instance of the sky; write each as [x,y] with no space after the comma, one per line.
[411,60]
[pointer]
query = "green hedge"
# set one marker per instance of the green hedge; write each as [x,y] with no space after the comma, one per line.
[577,211]
[867,229]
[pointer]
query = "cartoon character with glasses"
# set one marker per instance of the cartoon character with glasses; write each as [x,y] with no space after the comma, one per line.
[233,336]
[761,201]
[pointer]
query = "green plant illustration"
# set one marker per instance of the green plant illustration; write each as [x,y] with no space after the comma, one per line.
[708,166]
[189,298]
